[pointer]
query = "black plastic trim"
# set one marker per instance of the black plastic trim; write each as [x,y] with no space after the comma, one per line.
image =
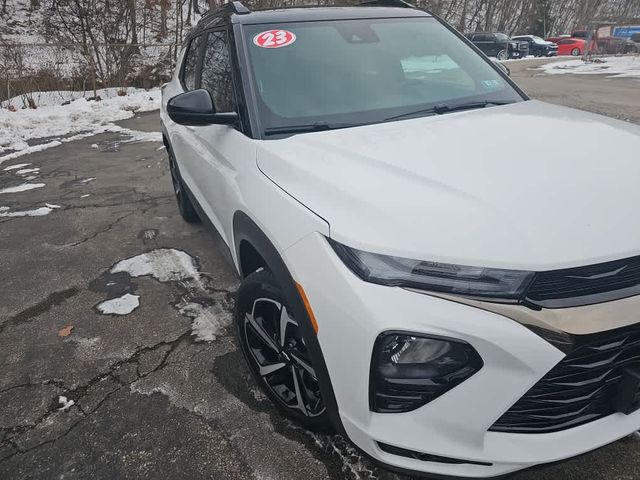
[427,457]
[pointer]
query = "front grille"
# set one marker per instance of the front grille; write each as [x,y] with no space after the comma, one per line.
[583,285]
[580,389]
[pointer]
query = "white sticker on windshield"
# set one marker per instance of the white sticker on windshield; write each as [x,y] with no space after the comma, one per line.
[491,84]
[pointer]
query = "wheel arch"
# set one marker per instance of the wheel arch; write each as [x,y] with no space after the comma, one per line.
[258,250]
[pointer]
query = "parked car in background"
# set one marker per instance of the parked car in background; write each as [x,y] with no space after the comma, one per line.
[498,45]
[538,47]
[632,44]
[571,46]
[614,45]
[557,39]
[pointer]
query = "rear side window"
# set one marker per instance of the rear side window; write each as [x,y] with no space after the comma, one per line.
[216,72]
[191,64]
[483,37]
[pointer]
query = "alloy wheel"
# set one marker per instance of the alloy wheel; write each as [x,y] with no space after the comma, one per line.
[276,346]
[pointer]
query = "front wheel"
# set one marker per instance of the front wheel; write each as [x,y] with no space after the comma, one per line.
[502,55]
[576,52]
[273,346]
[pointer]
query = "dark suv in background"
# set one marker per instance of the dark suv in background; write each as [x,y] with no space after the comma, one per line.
[498,45]
[538,47]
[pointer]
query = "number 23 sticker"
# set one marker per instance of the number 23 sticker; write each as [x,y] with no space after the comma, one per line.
[274,39]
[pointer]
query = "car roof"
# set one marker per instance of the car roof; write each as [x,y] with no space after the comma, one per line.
[236,13]
[308,14]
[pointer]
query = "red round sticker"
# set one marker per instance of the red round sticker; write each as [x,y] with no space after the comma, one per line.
[274,39]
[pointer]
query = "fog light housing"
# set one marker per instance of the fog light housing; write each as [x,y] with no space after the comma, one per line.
[410,370]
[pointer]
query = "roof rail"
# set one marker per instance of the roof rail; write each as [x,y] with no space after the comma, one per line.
[231,7]
[385,3]
[240,8]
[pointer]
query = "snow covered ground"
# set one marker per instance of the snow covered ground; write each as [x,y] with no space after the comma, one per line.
[614,67]
[78,119]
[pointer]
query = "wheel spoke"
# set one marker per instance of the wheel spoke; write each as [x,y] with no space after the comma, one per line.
[296,384]
[261,332]
[274,367]
[285,320]
[303,364]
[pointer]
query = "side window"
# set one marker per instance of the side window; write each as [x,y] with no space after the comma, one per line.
[191,63]
[216,72]
[483,37]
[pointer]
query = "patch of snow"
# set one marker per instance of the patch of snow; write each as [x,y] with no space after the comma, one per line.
[65,403]
[123,305]
[614,67]
[17,166]
[26,171]
[87,180]
[208,322]
[95,145]
[38,212]
[51,205]
[86,195]
[80,117]
[22,188]
[26,149]
[137,136]
[165,265]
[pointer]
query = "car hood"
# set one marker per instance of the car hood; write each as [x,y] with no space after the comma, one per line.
[528,185]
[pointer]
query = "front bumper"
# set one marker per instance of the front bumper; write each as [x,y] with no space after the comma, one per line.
[352,313]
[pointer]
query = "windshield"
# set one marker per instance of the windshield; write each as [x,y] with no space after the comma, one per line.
[356,72]
[539,40]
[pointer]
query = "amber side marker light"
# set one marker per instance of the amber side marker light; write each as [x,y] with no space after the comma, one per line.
[307,305]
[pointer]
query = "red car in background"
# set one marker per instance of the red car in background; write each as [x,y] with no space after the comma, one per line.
[571,46]
[556,39]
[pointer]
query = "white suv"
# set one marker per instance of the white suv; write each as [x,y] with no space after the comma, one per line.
[419,272]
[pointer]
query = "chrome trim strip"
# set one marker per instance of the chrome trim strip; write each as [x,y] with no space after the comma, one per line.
[581,320]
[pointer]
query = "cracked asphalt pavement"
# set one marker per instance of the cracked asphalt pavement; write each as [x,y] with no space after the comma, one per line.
[161,392]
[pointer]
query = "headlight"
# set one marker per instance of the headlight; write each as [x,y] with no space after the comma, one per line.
[506,285]
[409,371]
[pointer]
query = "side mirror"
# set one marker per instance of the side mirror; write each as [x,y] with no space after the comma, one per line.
[196,109]
[501,66]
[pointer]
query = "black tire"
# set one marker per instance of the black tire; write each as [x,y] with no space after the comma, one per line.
[280,363]
[187,211]
[576,52]
[502,55]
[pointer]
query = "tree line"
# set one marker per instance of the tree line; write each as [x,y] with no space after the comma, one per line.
[135,42]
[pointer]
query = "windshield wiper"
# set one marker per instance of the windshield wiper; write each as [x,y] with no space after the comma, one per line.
[311,127]
[441,108]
